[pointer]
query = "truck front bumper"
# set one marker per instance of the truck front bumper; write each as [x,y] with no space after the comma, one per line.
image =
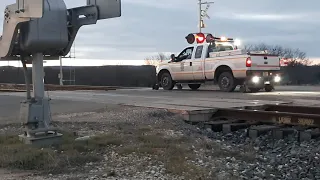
[260,78]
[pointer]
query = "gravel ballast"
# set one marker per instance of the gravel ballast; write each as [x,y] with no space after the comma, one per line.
[157,144]
[274,159]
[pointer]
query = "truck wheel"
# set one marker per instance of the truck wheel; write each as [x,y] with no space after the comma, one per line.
[166,81]
[194,86]
[268,88]
[227,82]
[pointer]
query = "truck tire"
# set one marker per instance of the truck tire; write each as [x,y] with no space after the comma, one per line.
[166,81]
[194,86]
[268,88]
[227,82]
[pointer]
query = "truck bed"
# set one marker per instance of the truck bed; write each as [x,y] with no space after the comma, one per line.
[264,61]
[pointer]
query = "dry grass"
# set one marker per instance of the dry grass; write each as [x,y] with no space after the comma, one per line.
[16,155]
[158,141]
[173,152]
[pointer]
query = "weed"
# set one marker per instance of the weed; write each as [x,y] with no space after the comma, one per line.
[16,155]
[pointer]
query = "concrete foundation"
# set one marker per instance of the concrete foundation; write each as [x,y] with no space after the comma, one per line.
[256,131]
[42,140]
[216,126]
[282,133]
[228,128]
[308,135]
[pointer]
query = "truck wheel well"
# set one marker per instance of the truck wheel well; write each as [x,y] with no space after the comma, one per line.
[160,74]
[220,70]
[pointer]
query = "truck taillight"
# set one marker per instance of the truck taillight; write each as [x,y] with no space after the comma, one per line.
[248,62]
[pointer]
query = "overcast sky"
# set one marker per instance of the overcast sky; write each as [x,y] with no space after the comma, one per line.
[150,26]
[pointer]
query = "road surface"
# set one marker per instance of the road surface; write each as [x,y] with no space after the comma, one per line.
[208,97]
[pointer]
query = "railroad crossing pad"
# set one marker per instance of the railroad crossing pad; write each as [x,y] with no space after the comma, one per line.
[201,110]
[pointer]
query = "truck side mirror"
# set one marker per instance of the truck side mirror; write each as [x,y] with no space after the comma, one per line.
[173,57]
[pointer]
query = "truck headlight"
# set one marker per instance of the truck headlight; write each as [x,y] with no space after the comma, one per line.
[255,79]
[277,78]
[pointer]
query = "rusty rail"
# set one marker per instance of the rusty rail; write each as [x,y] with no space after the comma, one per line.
[278,114]
[293,109]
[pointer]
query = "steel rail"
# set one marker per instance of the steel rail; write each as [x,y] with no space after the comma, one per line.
[277,117]
[293,109]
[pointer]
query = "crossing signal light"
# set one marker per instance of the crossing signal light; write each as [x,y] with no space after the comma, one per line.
[210,38]
[206,37]
[190,38]
[200,38]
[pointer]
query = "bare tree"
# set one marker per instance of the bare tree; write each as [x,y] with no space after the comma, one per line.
[155,60]
[294,57]
[119,63]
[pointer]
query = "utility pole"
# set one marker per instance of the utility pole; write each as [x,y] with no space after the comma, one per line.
[61,72]
[203,13]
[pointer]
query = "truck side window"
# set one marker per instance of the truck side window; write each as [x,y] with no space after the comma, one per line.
[211,48]
[198,52]
[224,48]
[185,54]
[221,48]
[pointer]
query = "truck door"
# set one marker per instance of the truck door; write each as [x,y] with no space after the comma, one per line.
[182,67]
[198,63]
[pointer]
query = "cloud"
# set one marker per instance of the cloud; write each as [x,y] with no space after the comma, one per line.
[163,4]
[147,27]
[264,17]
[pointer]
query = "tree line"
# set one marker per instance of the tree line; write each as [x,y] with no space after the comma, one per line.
[136,76]
[298,71]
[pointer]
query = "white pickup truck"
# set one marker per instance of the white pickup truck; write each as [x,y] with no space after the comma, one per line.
[222,63]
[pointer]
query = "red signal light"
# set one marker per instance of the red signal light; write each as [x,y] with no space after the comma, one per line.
[248,62]
[190,38]
[209,38]
[200,38]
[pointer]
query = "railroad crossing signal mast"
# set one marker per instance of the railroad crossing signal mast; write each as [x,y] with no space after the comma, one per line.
[203,13]
[38,30]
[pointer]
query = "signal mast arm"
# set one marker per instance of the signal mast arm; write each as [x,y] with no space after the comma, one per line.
[28,24]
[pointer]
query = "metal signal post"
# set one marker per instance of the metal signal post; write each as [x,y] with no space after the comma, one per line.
[203,13]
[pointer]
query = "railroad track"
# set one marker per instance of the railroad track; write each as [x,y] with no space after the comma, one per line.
[279,120]
[52,87]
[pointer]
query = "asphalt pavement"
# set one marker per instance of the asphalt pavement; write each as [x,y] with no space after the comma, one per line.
[207,97]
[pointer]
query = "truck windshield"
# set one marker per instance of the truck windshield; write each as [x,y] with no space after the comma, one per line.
[219,47]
